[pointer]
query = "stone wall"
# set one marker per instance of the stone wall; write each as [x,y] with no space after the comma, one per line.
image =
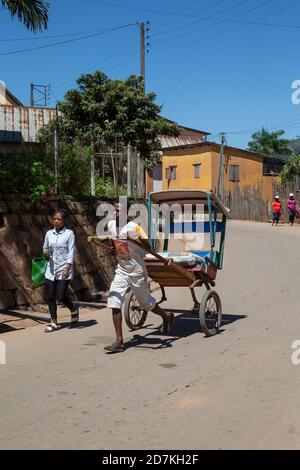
[23,225]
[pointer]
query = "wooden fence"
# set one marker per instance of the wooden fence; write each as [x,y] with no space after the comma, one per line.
[248,204]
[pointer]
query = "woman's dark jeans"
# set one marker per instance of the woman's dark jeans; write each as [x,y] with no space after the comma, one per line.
[57,290]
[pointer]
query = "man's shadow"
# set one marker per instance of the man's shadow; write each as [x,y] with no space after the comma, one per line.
[184,325]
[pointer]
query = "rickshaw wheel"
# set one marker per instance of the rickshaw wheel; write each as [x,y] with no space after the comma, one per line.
[134,315]
[210,313]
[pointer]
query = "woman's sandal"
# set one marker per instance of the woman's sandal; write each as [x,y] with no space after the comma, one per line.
[114,348]
[51,327]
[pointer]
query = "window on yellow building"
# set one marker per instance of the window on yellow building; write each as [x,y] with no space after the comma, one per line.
[234,173]
[171,173]
[197,170]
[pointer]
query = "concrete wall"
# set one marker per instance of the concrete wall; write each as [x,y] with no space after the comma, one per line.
[22,229]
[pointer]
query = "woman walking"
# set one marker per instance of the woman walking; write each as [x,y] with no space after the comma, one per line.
[59,246]
[292,208]
[276,204]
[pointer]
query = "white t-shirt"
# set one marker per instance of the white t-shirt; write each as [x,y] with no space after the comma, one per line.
[130,256]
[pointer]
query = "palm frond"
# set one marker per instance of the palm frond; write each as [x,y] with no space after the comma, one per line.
[32,13]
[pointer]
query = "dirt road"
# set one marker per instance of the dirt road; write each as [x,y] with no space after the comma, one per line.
[238,390]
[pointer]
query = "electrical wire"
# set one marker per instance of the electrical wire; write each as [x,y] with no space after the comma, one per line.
[108,30]
[112,59]
[41,37]
[284,126]
[214,34]
[200,20]
[217,23]
[164,12]
[188,6]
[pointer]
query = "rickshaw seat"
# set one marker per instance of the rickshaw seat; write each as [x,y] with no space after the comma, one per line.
[202,254]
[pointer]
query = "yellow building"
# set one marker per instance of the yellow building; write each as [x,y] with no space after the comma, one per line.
[195,166]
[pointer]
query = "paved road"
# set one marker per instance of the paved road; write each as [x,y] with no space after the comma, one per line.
[238,390]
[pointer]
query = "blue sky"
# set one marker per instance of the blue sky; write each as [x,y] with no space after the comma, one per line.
[211,65]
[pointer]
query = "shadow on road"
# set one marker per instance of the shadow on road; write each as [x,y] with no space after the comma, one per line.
[184,325]
[228,318]
[4,328]
[80,326]
[91,305]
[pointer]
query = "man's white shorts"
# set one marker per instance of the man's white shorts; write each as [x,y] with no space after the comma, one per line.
[138,285]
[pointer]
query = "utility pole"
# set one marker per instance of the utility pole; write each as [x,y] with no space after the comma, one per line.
[142,50]
[128,170]
[140,172]
[221,169]
[56,154]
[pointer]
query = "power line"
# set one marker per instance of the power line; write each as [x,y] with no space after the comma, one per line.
[218,22]
[163,12]
[107,61]
[227,30]
[68,41]
[287,125]
[264,16]
[41,37]
[198,21]
[55,97]
[196,12]
[124,59]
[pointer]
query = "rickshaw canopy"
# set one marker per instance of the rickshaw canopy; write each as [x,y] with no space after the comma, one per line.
[188,196]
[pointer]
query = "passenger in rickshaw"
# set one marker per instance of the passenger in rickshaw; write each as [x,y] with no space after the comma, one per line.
[131,272]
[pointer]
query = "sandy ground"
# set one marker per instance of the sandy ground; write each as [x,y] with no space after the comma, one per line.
[237,390]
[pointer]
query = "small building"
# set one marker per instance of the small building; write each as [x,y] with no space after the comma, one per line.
[197,165]
[19,124]
[188,136]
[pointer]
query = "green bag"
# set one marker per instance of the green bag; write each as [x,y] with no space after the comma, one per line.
[38,269]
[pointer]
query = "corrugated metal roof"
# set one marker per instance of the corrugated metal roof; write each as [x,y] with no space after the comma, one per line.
[198,131]
[167,141]
[210,143]
[22,124]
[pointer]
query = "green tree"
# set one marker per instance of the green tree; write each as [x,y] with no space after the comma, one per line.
[291,169]
[28,174]
[270,143]
[33,174]
[101,110]
[32,13]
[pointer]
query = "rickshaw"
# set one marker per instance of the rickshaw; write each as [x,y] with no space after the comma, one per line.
[176,261]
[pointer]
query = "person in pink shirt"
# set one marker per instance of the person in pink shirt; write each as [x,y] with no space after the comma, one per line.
[292,208]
